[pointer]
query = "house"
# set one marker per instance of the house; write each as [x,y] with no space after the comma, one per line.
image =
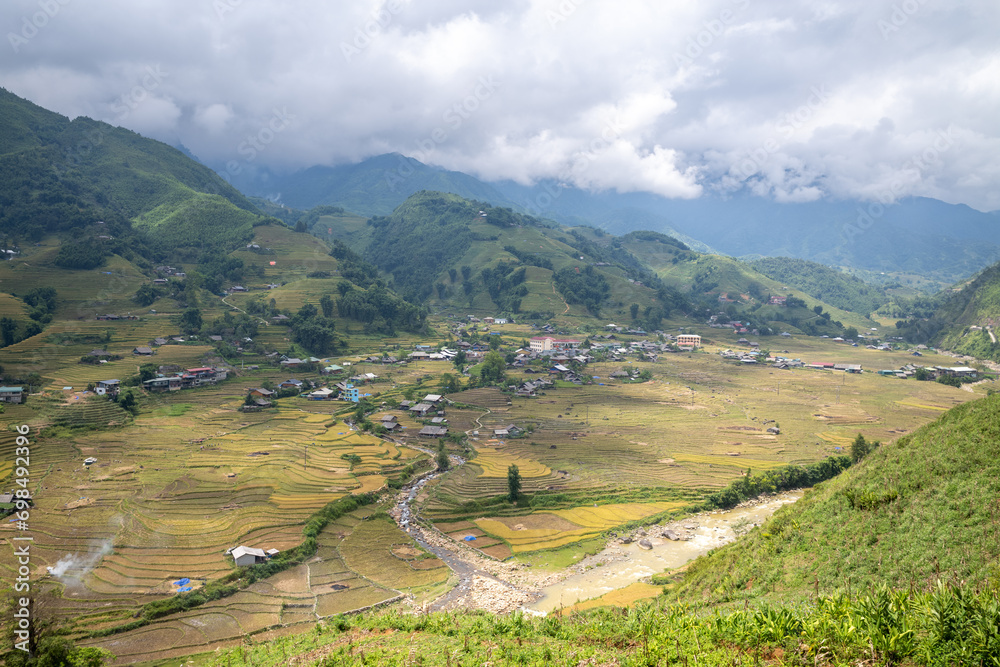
[260,392]
[159,281]
[688,340]
[389,423]
[432,398]
[215,339]
[433,431]
[143,350]
[291,363]
[348,392]
[246,556]
[11,394]
[237,288]
[281,318]
[291,384]
[100,354]
[159,341]
[438,420]
[421,409]
[778,300]
[107,387]
[321,394]
[333,369]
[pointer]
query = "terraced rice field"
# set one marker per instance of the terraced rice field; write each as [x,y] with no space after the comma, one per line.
[354,568]
[174,489]
[553,529]
[696,426]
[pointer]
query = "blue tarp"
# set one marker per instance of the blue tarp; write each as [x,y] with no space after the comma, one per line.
[470,538]
[184,590]
[182,582]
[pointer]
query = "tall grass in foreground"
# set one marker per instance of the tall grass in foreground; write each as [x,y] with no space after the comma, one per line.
[941,627]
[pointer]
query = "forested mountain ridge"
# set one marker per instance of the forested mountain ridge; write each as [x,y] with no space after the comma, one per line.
[61,176]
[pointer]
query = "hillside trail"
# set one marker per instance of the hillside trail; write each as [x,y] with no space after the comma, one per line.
[237,308]
[565,302]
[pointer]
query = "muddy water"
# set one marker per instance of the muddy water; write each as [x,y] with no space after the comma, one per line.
[624,564]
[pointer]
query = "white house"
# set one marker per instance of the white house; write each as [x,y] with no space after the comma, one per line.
[248,556]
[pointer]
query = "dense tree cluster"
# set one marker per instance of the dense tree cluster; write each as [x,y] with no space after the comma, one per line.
[505,285]
[587,287]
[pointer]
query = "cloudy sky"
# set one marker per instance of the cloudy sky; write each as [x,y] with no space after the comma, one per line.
[793,100]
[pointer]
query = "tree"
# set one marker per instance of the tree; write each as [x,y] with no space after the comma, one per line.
[494,369]
[923,374]
[459,360]
[300,226]
[859,448]
[513,483]
[146,295]
[8,330]
[850,333]
[147,372]
[443,463]
[326,304]
[634,310]
[495,342]
[191,321]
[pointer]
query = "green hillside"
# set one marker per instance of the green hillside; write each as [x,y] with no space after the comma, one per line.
[964,320]
[455,253]
[61,176]
[824,283]
[723,283]
[915,511]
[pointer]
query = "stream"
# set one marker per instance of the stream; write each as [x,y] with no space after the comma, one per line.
[505,586]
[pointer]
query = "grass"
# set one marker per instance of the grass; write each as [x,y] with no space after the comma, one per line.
[915,511]
[944,626]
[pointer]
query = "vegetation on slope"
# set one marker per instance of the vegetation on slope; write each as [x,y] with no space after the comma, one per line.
[824,283]
[59,176]
[919,510]
[963,319]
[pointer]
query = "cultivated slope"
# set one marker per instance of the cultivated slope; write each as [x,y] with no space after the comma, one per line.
[920,509]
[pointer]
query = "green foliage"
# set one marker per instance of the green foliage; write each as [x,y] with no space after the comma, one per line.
[775,481]
[442,458]
[146,295]
[493,370]
[824,283]
[587,287]
[953,314]
[380,310]
[505,285]
[907,516]
[191,321]
[513,483]
[861,447]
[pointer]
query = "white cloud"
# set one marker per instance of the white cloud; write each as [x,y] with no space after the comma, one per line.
[694,89]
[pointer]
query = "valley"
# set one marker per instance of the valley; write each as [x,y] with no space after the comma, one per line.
[256,429]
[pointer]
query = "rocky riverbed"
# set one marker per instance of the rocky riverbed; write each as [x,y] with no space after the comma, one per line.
[502,587]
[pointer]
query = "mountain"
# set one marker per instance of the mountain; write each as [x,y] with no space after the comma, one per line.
[822,282]
[965,318]
[720,282]
[375,186]
[914,236]
[61,176]
[913,512]
[923,239]
[454,253]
